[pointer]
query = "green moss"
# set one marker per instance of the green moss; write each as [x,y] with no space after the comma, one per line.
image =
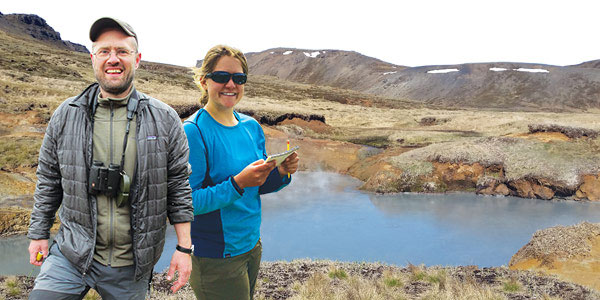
[418,276]
[337,273]
[438,279]
[13,289]
[392,282]
[511,286]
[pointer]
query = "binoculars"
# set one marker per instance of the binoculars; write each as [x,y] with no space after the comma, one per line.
[110,181]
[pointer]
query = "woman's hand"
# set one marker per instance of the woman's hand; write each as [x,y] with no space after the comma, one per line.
[254,174]
[289,165]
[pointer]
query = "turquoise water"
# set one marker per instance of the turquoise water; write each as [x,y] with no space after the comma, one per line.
[324,216]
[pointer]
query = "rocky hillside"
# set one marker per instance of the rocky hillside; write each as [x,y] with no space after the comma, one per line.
[342,69]
[35,27]
[500,86]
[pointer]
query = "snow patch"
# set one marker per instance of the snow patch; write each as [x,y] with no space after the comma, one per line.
[288,52]
[312,54]
[532,70]
[498,69]
[388,73]
[272,52]
[441,71]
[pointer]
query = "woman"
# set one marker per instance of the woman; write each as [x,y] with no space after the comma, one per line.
[227,152]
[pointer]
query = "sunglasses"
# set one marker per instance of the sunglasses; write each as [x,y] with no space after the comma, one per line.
[223,77]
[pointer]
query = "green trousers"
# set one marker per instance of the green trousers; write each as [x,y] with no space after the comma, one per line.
[226,278]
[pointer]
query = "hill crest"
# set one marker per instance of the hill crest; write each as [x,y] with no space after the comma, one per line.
[493,85]
[35,27]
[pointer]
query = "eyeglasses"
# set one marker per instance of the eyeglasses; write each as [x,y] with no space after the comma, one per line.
[121,53]
[223,77]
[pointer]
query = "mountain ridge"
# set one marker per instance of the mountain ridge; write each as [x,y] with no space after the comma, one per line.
[35,27]
[491,85]
[508,86]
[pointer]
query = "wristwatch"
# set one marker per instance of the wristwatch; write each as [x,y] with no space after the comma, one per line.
[185,250]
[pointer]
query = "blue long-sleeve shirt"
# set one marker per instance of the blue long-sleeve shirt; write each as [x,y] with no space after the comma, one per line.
[227,219]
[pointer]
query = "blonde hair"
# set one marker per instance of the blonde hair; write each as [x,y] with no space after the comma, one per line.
[210,61]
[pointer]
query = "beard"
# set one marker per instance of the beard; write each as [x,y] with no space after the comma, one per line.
[115,88]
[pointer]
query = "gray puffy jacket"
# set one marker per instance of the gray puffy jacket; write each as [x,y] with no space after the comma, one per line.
[160,186]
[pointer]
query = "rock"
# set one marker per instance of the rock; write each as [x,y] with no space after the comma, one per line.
[530,188]
[542,192]
[487,191]
[522,188]
[486,185]
[590,188]
[502,189]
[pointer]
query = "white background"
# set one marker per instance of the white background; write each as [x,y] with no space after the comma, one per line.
[410,33]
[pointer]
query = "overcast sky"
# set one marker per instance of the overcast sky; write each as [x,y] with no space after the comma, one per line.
[410,33]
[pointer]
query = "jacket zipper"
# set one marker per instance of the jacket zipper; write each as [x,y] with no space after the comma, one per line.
[110,199]
[134,185]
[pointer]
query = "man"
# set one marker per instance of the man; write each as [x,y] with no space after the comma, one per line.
[117,161]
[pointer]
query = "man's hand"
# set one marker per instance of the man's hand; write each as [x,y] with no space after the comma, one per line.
[289,165]
[36,246]
[181,262]
[254,174]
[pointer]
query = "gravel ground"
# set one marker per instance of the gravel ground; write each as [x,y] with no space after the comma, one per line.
[277,281]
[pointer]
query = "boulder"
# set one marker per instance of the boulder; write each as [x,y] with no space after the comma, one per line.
[543,192]
[590,188]
[531,188]
[522,188]
[502,189]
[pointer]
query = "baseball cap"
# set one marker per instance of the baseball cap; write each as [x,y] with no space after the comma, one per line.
[107,22]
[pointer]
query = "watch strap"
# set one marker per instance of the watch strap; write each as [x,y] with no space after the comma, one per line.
[185,250]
